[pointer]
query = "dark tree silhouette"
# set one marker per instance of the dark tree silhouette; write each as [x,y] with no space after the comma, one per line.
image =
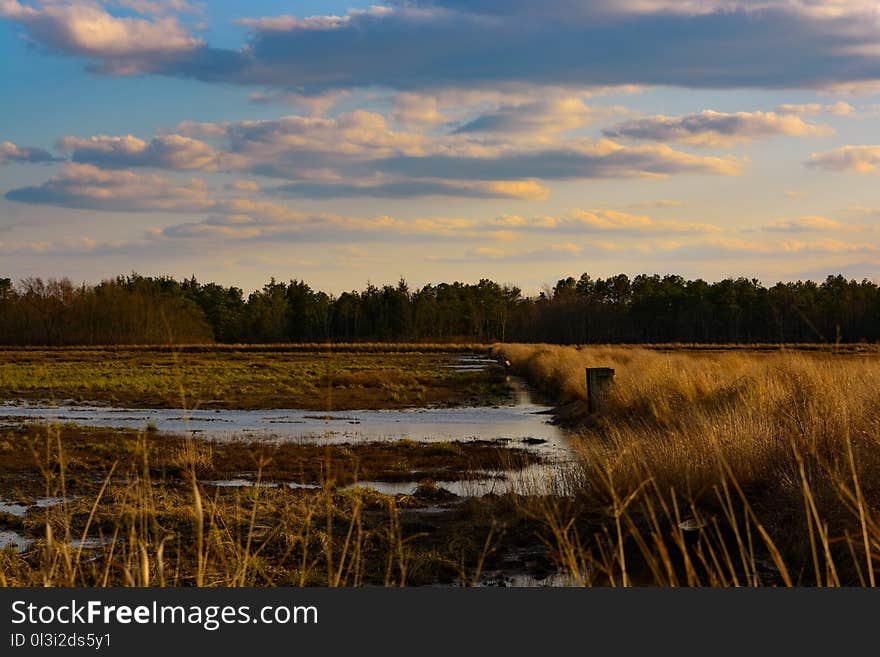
[648,308]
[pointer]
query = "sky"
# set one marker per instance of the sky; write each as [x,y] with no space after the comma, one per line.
[343,143]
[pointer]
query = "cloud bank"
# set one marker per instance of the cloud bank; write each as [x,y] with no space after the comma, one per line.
[425,44]
[717,129]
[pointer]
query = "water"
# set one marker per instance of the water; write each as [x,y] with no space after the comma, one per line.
[536,479]
[524,580]
[520,423]
[17,510]
[92,542]
[21,543]
[240,483]
[20,510]
[10,538]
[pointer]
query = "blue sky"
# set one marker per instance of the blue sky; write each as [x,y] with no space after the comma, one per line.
[439,140]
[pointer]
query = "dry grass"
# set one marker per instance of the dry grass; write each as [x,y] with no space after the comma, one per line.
[137,531]
[140,509]
[723,468]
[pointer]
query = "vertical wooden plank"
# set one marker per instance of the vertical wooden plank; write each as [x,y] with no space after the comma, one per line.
[599,381]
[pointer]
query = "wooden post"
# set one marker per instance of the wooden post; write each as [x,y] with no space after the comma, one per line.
[599,380]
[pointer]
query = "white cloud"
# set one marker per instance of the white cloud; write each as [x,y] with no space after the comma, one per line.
[289,23]
[856,159]
[840,108]
[784,247]
[360,154]
[808,224]
[171,151]
[418,109]
[87,186]
[10,152]
[718,129]
[539,117]
[317,104]
[124,44]
[244,186]
[602,221]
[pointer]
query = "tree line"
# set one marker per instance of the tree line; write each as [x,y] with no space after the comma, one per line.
[136,309]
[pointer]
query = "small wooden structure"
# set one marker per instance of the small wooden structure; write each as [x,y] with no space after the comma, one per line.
[599,381]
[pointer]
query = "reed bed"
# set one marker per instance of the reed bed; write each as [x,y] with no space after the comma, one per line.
[139,530]
[138,509]
[725,468]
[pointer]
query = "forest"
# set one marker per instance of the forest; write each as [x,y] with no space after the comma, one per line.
[135,309]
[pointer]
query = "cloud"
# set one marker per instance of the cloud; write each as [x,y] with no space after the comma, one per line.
[856,159]
[427,44]
[573,161]
[121,45]
[601,221]
[161,7]
[174,152]
[615,221]
[360,154]
[538,117]
[864,210]
[245,214]
[87,186]
[288,23]
[763,248]
[808,224]
[869,87]
[63,246]
[418,110]
[840,108]
[297,146]
[511,189]
[784,254]
[244,186]
[246,220]
[553,252]
[568,8]
[717,129]
[9,152]
[446,43]
[317,104]
[661,203]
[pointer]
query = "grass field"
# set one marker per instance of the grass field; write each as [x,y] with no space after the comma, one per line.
[721,468]
[247,377]
[142,509]
[704,467]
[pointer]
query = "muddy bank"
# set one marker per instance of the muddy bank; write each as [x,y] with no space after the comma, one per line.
[28,454]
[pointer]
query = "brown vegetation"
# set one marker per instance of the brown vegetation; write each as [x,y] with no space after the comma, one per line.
[142,510]
[90,451]
[720,468]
